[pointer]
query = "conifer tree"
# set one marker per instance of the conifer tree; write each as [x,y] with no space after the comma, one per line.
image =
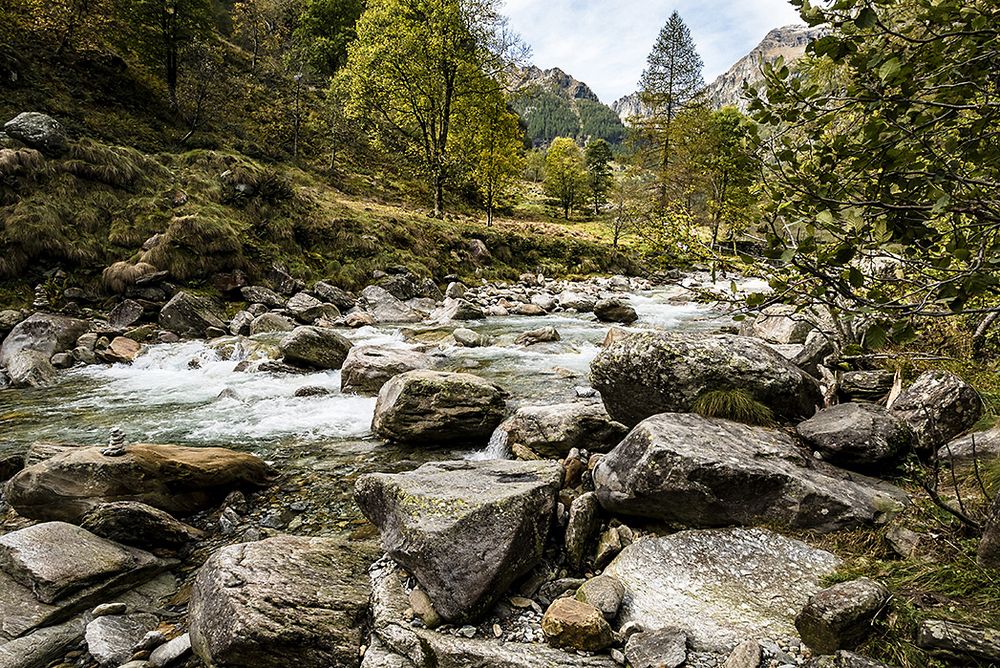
[672,79]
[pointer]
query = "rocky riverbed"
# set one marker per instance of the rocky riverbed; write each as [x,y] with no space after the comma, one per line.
[496,475]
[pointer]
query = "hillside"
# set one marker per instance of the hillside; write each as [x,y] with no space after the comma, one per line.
[553,104]
[788,42]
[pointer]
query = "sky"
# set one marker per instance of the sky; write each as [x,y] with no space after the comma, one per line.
[604,43]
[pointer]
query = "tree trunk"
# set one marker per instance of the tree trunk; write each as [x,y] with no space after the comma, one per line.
[989,546]
[438,192]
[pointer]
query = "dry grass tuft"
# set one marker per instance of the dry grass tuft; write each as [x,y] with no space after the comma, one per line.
[120,276]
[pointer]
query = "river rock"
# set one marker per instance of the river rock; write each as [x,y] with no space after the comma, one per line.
[110,638]
[644,373]
[169,477]
[171,652]
[573,625]
[843,659]
[258,294]
[331,294]
[866,385]
[38,131]
[470,339]
[540,335]
[367,368]
[241,323]
[604,593]
[962,643]
[44,333]
[938,406]
[746,655]
[661,648]
[719,586]
[466,530]
[704,472]
[56,559]
[397,644]
[9,319]
[860,437]
[577,301]
[437,407]
[30,368]
[190,315]
[615,310]
[386,308]
[315,347]
[121,350]
[268,323]
[552,431]
[529,310]
[781,324]
[137,524]
[284,601]
[841,616]
[457,309]
[583,524]
[981,445]
[126,314]
[306,308]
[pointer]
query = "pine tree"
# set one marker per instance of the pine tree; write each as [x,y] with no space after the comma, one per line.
[672,79]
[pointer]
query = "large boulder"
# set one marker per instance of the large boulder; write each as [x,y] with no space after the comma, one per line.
[841,616]
[42,332]
[720,586]
[960,644]
[861,437]
[615,310]
[331,294]
[30,368]
[284,601]
[706,472]
[190,315]
[645,373]
[134,523]
[438,407]
[780,324]
[368,368]
[52,570]
[457,309]
[381,304]
[938,406]
[396,643]
[552,431]
[308,309]
[38,131]
[315,347]
[980,445]
[169,477]
[466,530]
[258,294]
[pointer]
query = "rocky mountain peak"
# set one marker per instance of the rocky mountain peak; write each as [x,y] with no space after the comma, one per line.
[556,80]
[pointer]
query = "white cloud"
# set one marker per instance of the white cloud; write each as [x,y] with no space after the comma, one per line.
[605,42]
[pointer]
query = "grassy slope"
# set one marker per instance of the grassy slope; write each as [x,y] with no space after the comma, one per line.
[99,204]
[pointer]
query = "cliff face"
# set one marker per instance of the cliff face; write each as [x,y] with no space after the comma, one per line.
[788,42]
[554,80]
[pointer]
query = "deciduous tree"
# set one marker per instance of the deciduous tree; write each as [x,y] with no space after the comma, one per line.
[565,174]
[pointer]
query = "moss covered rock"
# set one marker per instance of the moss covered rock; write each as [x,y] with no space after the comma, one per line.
[645,373]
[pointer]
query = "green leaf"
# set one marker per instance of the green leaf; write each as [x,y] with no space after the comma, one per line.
[889,69]
[866,19]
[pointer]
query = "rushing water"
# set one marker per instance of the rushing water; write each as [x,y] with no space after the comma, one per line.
[171,394]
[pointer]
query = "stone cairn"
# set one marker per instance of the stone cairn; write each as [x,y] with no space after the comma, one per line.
[116,444]
[41,299]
